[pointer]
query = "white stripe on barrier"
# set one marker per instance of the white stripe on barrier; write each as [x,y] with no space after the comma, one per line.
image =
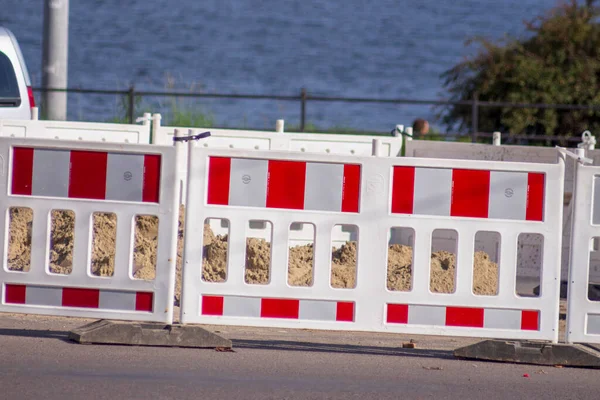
[324,183]
[50,173]
[125,177]
[508,195]
[426,315]
[433,189]
[241,306]
[43,296]
[248,182]
[502,319]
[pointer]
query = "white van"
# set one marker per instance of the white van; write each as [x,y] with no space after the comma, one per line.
[16,96]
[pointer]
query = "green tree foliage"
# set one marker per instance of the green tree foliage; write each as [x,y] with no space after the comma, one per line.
[557,62]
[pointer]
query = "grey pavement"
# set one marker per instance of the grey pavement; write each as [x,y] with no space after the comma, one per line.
[37,361]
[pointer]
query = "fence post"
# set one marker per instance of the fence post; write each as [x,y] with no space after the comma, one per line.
[474,117]
[279,126]
[131,108]
[303,98]
[496,138]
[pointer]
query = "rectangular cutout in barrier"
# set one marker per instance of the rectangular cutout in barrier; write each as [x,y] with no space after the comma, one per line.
[344,261]
[258,252]
[215,252]
[485,263]
[18,255]
[82,174]
[400,259]
[104,244]
[62,238]
[293,185]
[442,278]
[594,270]
[468,193]
[301,259]
[529,269]
[145,246]
[596,201]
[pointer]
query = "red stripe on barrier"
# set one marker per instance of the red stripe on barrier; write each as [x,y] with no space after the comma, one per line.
[212,305]
[397,314]
[403,190]
[151,188]
[351,188]
[22,171]
[14,294]
[470,193]
[530,320]
[77,297]
[464,316]
[279,308]
[344,312]
[219,172]
[286,183]
[144,301]
[87,175]
[535,197]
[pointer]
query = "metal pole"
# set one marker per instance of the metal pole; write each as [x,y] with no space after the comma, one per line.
[55,58]
[474,118]
[131,108]
[302,109]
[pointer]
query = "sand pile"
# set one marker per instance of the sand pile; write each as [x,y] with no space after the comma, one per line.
[258,254]
[443,266]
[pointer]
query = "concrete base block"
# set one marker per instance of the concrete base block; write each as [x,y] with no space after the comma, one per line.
[147,334]
[538,353]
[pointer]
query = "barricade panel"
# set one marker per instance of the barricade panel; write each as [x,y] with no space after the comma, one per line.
[583,312]
[111,182]
[69,130]
[392,199]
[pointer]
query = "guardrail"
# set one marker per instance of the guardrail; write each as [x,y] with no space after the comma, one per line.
[304,97]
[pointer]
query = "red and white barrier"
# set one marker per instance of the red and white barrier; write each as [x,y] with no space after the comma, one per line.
[583,313]
[263,183]
[422,194]
[87,178]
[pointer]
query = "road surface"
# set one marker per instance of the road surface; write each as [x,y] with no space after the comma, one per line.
[38,362]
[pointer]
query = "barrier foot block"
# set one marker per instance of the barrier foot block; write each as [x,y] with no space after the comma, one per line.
[527,352]
[147,334]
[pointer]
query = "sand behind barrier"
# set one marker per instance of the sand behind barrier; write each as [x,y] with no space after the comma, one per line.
[258,253]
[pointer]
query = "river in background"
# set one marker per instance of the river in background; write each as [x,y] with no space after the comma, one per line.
[350,48]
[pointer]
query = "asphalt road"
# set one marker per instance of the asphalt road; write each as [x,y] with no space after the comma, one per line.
[36,361]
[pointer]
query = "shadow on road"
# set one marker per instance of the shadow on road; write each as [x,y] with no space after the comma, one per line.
[35,333]
[339,348]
